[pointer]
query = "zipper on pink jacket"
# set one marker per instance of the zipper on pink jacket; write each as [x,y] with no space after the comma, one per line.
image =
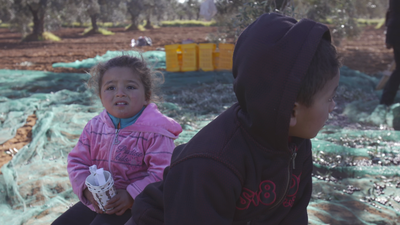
[115,142]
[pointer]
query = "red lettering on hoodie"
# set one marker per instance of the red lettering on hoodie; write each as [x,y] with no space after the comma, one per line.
[293,188]
[265,194]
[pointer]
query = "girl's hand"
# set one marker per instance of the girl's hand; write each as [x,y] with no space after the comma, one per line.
[121,202]
[89,196]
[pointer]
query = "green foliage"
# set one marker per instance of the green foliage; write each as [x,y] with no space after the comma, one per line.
[344,19]
[54,14]
[22,12]
[248,13]
[343,15]
[188,23]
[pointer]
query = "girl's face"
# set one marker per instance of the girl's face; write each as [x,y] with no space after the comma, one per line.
[122,92]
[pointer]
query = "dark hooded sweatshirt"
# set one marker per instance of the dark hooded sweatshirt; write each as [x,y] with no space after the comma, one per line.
[241,168]
[393,23]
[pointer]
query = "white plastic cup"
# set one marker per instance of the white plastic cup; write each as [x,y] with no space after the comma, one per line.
[102,194]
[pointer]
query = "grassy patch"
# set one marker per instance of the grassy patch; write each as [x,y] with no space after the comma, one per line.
[188,23]
[50,36]
[169,23]
[102,31]
[5,25]
[45,36]
[87,25]
[105,32]
[380,24]
[75,25]
[377,22]
[110,24]
[140,27]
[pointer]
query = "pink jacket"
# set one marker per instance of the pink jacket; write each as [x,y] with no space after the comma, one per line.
[135,155]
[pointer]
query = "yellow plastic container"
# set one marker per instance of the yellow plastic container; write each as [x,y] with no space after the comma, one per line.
[225,56]
[206,56]
[215,59]
[190,60]
[173,57]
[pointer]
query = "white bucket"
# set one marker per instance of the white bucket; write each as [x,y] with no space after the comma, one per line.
[101,193]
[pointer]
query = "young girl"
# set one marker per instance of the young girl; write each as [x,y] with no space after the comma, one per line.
[131,139]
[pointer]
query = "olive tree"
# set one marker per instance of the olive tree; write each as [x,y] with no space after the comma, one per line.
[22,12]
[341,14]
[177,12]
[5,13]
[192,8]
[95,10]
[154,9]
[50,14]
[135,9]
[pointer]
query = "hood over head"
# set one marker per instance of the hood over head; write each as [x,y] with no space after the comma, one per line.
[271,57]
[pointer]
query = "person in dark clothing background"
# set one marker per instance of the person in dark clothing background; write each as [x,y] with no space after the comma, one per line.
[392,41]
[253,163]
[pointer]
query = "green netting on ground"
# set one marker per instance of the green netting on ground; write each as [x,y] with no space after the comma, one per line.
[365,108]
[155,59]
[356,175]
[34,187]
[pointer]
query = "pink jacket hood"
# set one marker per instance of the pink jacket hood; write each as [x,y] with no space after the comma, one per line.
[151,120]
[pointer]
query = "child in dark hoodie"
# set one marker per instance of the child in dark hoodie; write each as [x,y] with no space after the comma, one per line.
[253,164]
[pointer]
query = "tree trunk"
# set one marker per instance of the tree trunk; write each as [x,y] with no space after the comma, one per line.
[38,14]
[134,22]
[135,7]
[148,23]
[38,23]
[93,19]
[189,15]
[95,28]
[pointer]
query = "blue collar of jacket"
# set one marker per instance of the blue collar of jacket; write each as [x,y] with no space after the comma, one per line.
[125,122]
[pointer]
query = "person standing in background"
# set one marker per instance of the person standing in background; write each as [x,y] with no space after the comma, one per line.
[392,41]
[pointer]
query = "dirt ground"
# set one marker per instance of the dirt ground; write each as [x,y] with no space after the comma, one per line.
[74,46]
[365,53]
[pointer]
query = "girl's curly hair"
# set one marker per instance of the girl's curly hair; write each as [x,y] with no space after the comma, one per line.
[137,65]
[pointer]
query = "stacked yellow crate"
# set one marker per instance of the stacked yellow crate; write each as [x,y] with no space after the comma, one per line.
[190,60]
[204,56]
[173,57]
[225,56]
